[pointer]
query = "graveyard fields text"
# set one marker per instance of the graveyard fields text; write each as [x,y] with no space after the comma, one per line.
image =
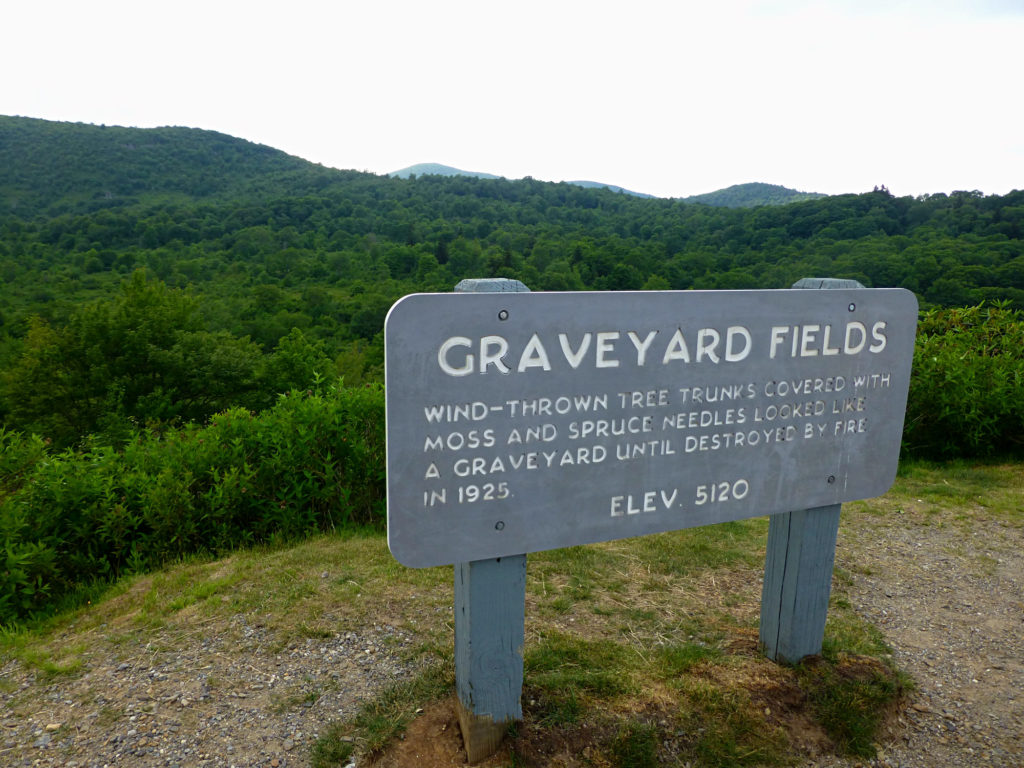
[474,452]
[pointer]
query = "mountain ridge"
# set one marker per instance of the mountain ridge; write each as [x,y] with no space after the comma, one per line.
[736,196]
[115,165]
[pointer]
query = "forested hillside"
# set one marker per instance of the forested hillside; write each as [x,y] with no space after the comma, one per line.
[176,307]
[751,195]
[275,267]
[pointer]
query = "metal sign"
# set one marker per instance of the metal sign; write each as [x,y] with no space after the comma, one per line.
[518,422]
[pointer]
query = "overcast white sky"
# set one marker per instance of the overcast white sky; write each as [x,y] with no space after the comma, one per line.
[670,98]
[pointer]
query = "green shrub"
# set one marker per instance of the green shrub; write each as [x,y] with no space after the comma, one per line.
[18,455]
[967,386]
[312,462]
[27,569]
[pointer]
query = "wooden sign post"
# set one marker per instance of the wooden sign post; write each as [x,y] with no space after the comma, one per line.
[490,620]
[519,422]
[798,565]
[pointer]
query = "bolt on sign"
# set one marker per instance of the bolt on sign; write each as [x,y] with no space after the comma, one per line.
[519,422]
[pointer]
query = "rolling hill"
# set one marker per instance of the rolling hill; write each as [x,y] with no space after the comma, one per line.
[736,196]
[52,167]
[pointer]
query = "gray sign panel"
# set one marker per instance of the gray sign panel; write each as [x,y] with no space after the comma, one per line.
[519,422]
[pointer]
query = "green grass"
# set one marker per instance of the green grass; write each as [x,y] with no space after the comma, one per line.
[378,722]
[851,698]
[567,674]
[636,746]
[677,660]
[970,490]
[685,553]
[66,662]
[727,729]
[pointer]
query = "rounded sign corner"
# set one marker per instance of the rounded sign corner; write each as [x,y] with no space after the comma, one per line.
[398,552]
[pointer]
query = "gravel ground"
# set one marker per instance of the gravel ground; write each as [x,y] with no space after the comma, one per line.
[233,700]
[948,599]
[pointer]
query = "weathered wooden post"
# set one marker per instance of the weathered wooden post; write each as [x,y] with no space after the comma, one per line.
[490,615]
[798,565]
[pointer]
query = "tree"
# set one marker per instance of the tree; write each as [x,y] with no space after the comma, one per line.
[141,358]
[295,363]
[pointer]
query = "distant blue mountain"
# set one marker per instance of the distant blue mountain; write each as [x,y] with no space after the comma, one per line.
[436,169]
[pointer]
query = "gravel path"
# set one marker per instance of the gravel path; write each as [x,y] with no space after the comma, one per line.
[233,700]
[949,599]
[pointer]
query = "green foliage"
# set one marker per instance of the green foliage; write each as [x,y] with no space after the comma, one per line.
[967,388]
[18,455]
[142,358]
[101,166]
[269,246]
[313,462]
[296,363]
[27,571]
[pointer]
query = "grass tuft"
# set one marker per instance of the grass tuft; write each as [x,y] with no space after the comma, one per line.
[381,720]
[635,746]
[724,729]
[850,698]
[333,748]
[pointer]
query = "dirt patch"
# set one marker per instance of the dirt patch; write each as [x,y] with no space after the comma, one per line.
[775,693]
[434,740]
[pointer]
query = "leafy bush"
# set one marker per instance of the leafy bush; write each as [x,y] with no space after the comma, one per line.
[27,569]
[967,387]
[18,455]
[313,462]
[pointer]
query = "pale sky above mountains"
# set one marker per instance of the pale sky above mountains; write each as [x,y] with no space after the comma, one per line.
[669,98]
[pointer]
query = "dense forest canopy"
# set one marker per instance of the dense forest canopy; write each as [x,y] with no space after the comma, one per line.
[281,267]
